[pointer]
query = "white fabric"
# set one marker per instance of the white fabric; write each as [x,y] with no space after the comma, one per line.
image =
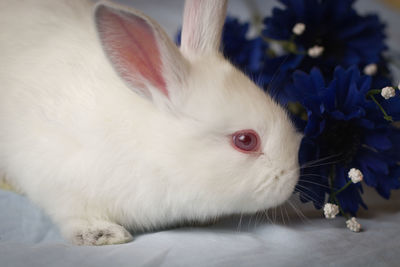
[28,238]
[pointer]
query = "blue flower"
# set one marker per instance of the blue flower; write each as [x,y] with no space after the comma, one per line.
[245,53]
[345,129]
[347,38]
[251,56]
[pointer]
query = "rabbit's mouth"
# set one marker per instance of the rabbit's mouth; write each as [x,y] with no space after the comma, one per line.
[276,189]
[266,184]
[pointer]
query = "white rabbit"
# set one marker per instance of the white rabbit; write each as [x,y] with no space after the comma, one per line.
[108,126]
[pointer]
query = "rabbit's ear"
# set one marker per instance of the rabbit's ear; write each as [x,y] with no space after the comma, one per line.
[141,53]
[203,21]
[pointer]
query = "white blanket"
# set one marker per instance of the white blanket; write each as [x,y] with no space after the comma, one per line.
[28,238]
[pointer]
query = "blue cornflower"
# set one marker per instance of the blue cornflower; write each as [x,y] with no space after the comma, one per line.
[252,56]
[335,35]
[246,53]
[347,129]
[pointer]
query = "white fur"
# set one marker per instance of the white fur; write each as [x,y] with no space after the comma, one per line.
[97,156]
[203,21]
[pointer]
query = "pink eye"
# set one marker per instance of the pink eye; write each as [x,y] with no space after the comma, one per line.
[246,141]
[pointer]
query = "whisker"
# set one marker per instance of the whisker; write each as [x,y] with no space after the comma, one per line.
[256,219]
[299,213]
[321,164]
[248,224]
[282,218]
[321,159]
[274,76]
[313,164]
[306,197]
[314,175]
[267,216]
[287,214]
[314,183]
[238,229]
[300,187]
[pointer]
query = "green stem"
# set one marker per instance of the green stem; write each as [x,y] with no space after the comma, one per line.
[331,183]
[287,45]
[270,40]
[332,197]
[386,116]
[374,92]
[343,188]
[344,214]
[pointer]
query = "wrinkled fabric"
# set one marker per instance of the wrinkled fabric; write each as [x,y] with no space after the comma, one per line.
[28,238]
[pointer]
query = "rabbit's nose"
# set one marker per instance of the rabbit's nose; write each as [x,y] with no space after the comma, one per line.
[279,174]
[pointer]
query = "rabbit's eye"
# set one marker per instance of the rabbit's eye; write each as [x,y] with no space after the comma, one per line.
[246,141]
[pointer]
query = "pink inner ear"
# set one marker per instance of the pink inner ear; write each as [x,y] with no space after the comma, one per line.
[132,47]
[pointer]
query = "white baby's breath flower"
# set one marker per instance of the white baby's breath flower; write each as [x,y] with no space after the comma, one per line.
[331,210]
[299,28]
[315,51]
[371,69]
[388,92]
[355,175]
[353,225]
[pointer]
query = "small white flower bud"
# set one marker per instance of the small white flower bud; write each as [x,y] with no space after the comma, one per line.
[331,210]
[299,28]
[353,225]
[388,92]
[355,175]
[315,51]
[371,69]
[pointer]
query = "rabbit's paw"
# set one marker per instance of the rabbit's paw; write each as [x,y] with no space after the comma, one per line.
[99,233]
